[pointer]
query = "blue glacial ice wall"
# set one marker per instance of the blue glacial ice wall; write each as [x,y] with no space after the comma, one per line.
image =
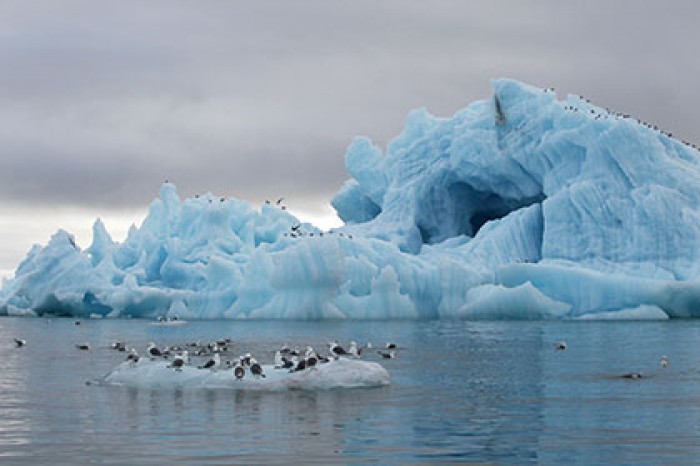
[519,206]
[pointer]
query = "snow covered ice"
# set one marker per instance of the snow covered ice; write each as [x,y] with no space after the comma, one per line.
[519,206]
[340,373]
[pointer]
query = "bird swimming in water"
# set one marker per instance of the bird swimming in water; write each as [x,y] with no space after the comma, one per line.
[83,346]
[20,342]
[390,346]
[389,355]
[664,361]
[560,345]
[239,371]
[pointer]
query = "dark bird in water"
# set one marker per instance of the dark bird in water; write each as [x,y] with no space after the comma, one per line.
[118,346]
[560,345]
[239,372]
[77,322]
[632,375]
[279,201]
[83,346]
[19,342]
[390,346]
[385,355]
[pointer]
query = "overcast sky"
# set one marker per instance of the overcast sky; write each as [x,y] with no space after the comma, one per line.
[102,101]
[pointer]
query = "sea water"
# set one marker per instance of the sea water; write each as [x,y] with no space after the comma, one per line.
[462,392]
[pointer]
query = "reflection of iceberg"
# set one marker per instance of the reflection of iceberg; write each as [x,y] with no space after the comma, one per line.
[520,206]
[341,373]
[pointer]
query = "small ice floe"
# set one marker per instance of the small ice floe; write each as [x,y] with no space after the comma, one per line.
[338,373]
[168,321]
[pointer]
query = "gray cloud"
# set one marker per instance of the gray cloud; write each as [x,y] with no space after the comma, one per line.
[101,102]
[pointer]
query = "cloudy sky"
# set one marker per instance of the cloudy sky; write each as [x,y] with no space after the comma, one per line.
[102,101]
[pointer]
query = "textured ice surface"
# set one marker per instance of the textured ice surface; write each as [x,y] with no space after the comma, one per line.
[519,206]
[341,373]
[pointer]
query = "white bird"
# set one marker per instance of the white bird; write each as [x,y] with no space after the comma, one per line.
[664,361]
[353,350]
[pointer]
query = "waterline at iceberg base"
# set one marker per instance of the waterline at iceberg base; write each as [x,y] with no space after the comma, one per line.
[520,206]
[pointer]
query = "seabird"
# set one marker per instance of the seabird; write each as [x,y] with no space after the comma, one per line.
[77,322]
[389,355]
[560,345]
[118,346]
[153,351]
[83,346]
[19,342]
[239,371]
[337,350]
[664,361]
[179,361]
[390,346]
[301,365]
[256,369]
[632,375]
[279,201]
[133,355]
[353,350]
[212,363]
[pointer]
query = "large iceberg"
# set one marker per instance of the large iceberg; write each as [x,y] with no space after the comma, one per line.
[519,206]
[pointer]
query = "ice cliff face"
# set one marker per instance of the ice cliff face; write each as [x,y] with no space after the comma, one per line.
[519,206]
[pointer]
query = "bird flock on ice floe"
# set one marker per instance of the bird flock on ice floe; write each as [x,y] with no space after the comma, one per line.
[208,355]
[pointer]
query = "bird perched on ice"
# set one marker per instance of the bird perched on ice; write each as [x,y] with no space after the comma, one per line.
[256,369]
[389,355]
[212,363]
[20,342]
[239,371]
[560,345]
[133,356]
[664,361]
[179,361]
[153,351]
[353,350]
[337,350]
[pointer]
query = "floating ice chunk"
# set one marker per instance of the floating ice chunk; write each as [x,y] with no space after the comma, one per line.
[643,312]
[341,373]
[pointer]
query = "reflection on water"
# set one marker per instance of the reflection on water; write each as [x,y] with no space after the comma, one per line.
[494,392]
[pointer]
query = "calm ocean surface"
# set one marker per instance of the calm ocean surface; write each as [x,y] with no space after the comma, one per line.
[462,392]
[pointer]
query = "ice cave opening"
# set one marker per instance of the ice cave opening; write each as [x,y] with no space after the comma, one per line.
[461,209]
